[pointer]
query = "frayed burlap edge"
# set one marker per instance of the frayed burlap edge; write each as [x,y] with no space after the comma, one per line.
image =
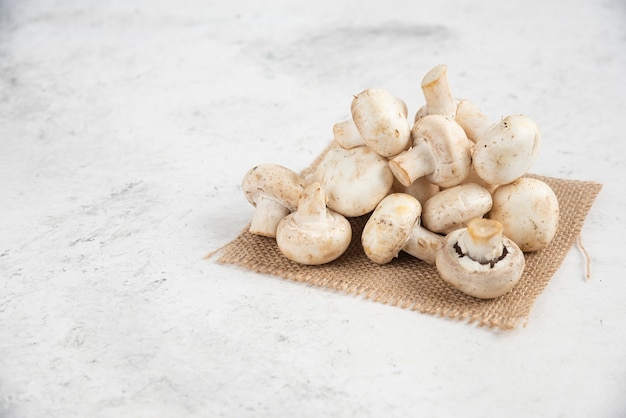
[413,284]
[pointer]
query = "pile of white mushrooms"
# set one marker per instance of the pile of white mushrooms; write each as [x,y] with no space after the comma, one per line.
[450,190]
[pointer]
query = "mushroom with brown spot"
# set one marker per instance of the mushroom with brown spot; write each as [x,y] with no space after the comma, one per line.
[479,260]
[274,190]
[313,234]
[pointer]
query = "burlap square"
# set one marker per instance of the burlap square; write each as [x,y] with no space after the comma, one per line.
[413,284]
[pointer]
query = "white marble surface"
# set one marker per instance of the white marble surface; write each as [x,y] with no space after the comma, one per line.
[125,129]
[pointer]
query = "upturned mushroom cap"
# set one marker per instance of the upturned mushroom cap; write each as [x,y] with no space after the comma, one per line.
[440,151]
[354,180]
[528,210]
[389,227]
[274,190]
[452,208]
[313,234]
[381,120]
[473,274]
[507,150]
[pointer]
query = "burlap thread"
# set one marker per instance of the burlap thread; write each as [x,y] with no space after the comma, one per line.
[410,283]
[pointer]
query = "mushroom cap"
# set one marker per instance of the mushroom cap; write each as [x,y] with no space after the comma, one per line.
[450,148]
[507,150]
[318,235]
[476,279]
[451,208]
[354,180]
[389,227]
[381,119]
[274,182]
[528,210]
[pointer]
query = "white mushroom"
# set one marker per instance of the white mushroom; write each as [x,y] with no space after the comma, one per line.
[393,227]
[452,208]
[528,210]
[440,151]
[354,180]
[381,120]
[313,234]
[274,190]
[504,151]
[480,261]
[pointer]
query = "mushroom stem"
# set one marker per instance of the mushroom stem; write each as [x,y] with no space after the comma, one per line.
[311,205]
[423,244]
[474,122]
[347,135]
[266,217]
[437,92]
[413,163]
[483,240]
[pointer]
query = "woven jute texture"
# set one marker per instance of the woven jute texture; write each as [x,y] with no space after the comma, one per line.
[410,283]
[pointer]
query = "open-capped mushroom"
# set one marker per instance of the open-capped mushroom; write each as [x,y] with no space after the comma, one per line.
[354,180]
[381,120]
[440,151]
[452,208]
[528,210]
[274,190]
[313,234]
[479,260]
[393,227]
